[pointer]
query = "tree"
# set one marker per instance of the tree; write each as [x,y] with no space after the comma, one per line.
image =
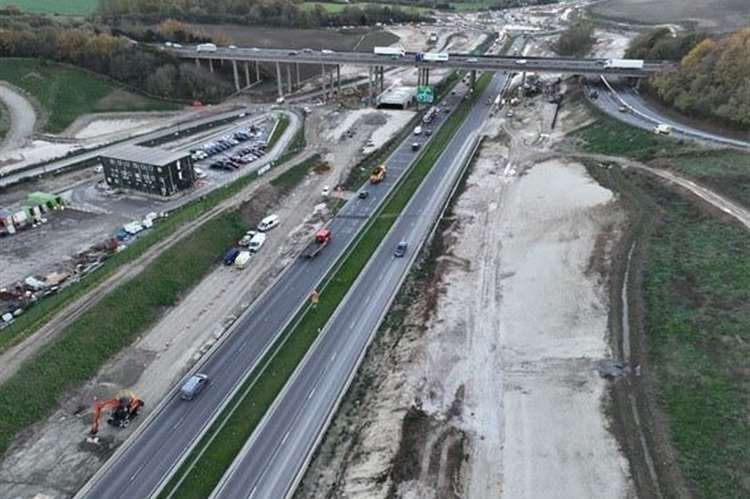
[577,40]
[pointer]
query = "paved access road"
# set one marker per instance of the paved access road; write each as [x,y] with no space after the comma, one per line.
[641,114]
[151,455]
[272,462]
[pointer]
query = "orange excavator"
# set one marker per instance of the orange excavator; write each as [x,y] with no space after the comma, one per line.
[123,408]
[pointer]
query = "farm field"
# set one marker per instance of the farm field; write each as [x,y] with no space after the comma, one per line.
[66,92]
[63,7]
[708,15]
[338,7]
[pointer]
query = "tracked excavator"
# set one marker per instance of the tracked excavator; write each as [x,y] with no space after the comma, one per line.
[123,408]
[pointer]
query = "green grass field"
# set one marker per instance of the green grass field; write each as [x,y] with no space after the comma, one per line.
[696,286]
[63,7]
[66,92]
[338,7]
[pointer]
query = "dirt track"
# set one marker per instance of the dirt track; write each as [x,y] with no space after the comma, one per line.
[22,117]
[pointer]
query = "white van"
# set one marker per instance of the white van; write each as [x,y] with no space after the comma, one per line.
[206,47]
[418,130]
[268,223]
[256,242]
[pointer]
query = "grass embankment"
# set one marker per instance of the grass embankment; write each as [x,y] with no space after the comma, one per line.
[110,325]
[66,92]
[725,171]
[4,122]
[696,285]
[281,125]
[223,441]
[295,174]
[695,324]
[609,136]
[63,7]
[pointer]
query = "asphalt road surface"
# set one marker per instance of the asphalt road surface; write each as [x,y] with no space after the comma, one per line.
[272,462]
[466,62]
[642,115]
[151,455]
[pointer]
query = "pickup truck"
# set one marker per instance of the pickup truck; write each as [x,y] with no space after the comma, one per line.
[322,238]
[378,174]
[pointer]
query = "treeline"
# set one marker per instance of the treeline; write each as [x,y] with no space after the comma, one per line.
[712,80]
[280,13]
[577,39]
[450,4]
[124,60]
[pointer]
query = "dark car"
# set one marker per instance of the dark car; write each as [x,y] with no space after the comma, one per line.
[428,132]
[401,249]
[231,256]
[193,386]
[363,194]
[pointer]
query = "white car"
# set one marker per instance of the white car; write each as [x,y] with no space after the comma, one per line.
[326,191]
[232,47]
[269,223]
[521,61]
[326,51]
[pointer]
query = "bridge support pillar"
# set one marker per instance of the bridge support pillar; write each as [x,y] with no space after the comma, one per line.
[247,74]
[299,81]
[257,70]
[289,78]
[197,62]
[211,65]
[523,78]
[331,84]
[236,75]
[278,79]
[382,79]
[338,77]
[426,76]
[473,79]
[323,81]
[369,87]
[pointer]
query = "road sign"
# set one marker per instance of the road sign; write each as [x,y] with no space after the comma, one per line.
[425,94]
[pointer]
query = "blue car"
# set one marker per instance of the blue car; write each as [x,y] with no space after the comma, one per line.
[231,256]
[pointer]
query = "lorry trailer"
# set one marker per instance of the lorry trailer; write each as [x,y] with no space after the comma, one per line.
[322,238]
[624,64]
[397,51]
[378,174]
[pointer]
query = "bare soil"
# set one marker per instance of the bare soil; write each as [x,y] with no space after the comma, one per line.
[484,385]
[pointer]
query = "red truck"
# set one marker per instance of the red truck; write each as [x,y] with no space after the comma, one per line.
[322,238]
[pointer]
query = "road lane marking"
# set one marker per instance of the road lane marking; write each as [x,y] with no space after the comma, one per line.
[312,392]
[283,440]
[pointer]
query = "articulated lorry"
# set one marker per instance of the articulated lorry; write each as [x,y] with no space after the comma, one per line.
[322,238]
[623,64]
[397,51]
[378,174]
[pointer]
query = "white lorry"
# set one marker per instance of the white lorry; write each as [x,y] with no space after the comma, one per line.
[397,51]
[435,56]
[624,64]
[206,47]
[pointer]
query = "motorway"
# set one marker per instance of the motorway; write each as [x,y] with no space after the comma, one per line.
[642,115]
[155,450]
[10,176]
[274,459]
[467,62]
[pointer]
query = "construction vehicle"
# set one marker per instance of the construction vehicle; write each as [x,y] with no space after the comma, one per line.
[378,174]
[123,408]
[322,238]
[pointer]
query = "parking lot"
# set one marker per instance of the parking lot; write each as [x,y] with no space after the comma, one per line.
[95,212]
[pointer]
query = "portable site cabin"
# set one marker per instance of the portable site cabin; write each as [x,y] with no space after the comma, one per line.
[44,200]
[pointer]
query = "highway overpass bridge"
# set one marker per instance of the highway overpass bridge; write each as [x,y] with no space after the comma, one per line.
[288,61]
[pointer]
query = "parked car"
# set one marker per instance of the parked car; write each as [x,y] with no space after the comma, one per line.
[231,256]
[193,386]
[257,242]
